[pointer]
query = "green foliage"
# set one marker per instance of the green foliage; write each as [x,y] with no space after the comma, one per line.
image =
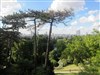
[7,39]
[81,48]
[53,57]
[18,58]
[42,71]
[62,63]
[55,54]
[94,67]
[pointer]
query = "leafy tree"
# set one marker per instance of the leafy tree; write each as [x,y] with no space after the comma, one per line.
[23,56]
[6,42]
[13,22]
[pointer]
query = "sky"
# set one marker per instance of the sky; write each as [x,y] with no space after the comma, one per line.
[86,18]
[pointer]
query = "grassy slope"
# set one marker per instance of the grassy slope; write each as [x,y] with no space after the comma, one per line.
[66,74]
[68,69]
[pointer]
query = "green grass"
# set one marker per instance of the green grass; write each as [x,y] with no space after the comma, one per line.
[67,74]
[72,70]
[69,68]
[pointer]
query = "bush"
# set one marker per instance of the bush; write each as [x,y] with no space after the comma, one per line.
[90,70]
[42,71]
[62,63]
[87,73]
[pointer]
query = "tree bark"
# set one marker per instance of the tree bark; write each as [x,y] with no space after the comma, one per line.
[48,45]
[35,46]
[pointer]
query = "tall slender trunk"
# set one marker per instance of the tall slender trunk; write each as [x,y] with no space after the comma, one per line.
[37,41]
[48,45]
[35,46]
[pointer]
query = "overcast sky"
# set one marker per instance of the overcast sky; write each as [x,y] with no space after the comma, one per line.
[87,13]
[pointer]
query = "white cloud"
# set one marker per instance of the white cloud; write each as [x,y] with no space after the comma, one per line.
[59,30]
[67,4]
[25,31]
[98,16]
[93,12]
[91,17]
[96,24]
[9,6]
[83,19]
[97,0]
[74,23]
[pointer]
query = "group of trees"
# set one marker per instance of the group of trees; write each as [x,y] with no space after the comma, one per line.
[78,50]
[37,55]
[25,56]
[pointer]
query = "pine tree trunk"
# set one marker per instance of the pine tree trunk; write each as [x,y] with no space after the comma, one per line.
[48,46]
[35,46]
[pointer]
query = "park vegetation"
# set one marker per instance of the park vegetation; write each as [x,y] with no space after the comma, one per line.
[25,56]
[41,53]
[81,50]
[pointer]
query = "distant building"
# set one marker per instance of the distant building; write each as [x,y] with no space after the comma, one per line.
[78,32]
[99,28]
